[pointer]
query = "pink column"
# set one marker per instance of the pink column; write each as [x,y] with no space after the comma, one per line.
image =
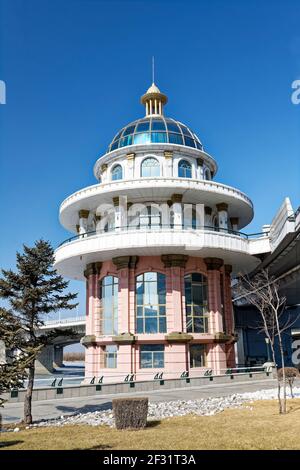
[125,266]
[228,309]
[214,294]
[174,265]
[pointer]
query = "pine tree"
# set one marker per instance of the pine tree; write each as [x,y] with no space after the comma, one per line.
[34,291]
[12,367]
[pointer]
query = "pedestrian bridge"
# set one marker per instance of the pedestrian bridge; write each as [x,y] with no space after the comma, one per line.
[52,355]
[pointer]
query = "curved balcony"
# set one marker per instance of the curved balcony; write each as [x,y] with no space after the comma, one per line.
[72,256]
[160,188]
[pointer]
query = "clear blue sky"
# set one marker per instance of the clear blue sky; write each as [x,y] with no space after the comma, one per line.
[75,70]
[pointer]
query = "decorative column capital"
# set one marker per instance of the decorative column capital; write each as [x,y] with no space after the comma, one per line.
[200,161]
[168,154]
[92,268]
[176,198]
[207,210]
[103,167]
[123,262]
[213,263]
[222,206]
[130,156]
[172,261]
[227,269]
[116,201]
[83,214]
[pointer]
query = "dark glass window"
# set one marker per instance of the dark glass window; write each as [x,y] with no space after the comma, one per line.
[150,167]
[197,355]
[152,356]
[199,146]
[175,139]
[143,126]
[117,173]
[158,125]
[109,287]
[114,145]
[184,169]
[129,130]
[196,304]
[158,137]
[173,127]
[151,303]
[189,142]
[185,130]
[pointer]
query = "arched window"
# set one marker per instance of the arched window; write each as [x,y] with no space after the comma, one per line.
[109,287]
[151,303]
[150,167]
[196,306]
[117,173]
[184,169]
[207,174]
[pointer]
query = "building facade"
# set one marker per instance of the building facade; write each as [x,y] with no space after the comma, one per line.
[157,240]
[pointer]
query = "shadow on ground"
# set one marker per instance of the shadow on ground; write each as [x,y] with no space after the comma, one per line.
[86,408]
[9,444]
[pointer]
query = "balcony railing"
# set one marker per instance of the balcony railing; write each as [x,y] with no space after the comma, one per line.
[162,227]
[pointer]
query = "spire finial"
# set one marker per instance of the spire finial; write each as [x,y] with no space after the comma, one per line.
[153,68]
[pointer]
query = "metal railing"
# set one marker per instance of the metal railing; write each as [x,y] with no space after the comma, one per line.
[162,227]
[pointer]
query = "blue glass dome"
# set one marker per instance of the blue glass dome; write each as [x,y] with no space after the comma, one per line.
[155,129]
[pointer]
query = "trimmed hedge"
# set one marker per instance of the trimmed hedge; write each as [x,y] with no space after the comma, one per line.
[130,412]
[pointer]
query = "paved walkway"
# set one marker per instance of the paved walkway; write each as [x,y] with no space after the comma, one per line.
[12,412]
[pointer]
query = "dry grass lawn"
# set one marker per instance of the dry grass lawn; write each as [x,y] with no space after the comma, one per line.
[259,428]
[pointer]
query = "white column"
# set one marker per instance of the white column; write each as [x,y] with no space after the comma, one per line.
[207,217]
[222,209]
[117,214]
[83,218]
[130,165]
[168,163]
[199,172]
[104,174]
[177,209]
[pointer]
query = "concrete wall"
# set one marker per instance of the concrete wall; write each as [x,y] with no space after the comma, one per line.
[141,386]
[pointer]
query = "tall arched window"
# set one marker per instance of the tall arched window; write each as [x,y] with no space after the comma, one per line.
[207,174]
[150,167]
[109,287]
[196,305]
[184,169]
[151,303]
[117,173]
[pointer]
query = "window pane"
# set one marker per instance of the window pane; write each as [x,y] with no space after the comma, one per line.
[146,360]
[173,127]
[158,125]
[158,359]
[126,141]
[142,126]
[189,142]
[143,138]
[162,325]
[158,137]
[197,355]
[139,325]
[129,130]
[151,325]
[117,173]
[175,139]
[185,130]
